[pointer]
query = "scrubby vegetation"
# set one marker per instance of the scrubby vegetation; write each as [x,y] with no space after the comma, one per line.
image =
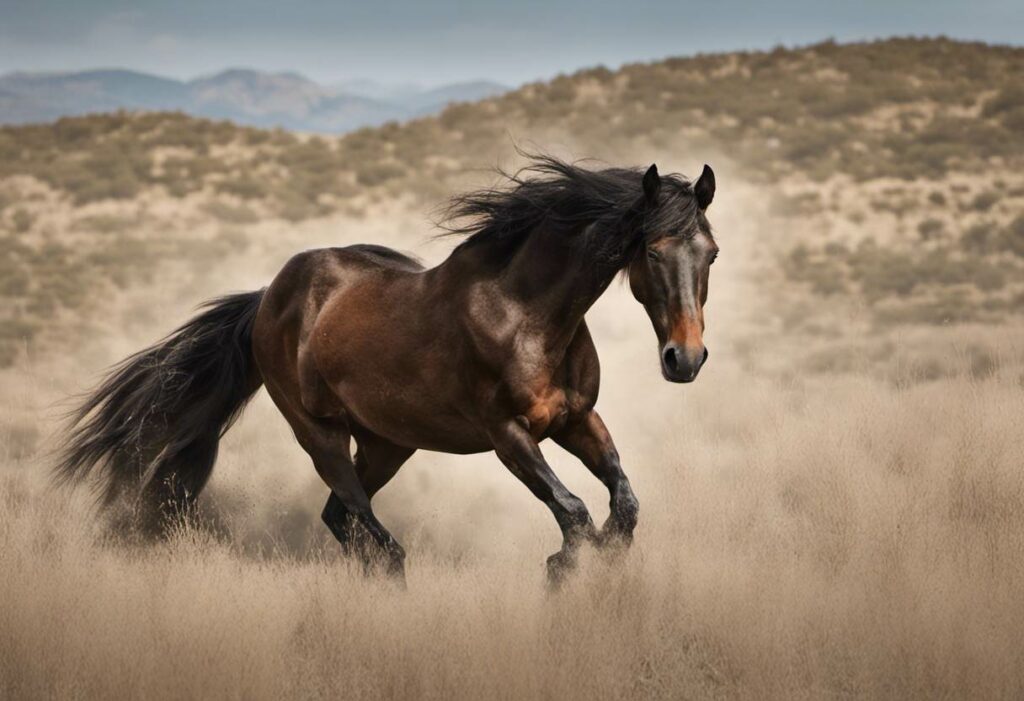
[917,111]
[907,108]
[943,259]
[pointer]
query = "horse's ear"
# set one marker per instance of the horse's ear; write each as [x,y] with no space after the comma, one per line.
[704,188]
[652,184]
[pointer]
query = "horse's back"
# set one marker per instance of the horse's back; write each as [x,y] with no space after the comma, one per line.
[383,256]
[309,278]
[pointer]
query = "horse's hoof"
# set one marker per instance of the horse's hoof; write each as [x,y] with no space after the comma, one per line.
[614,545]
[395,571]
[397,578]
[614,536]
[559,566]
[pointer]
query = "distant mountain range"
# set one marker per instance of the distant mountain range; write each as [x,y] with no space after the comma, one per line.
[244,96]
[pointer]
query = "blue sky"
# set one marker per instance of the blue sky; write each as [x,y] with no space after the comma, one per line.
[436,42]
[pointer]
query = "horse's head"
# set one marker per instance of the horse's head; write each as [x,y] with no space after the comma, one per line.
[669,274]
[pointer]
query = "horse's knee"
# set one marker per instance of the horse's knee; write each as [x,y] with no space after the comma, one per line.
[578,510]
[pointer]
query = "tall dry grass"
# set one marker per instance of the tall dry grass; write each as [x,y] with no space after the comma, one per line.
[847,538]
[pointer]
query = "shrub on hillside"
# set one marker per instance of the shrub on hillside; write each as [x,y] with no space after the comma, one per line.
[1013,121]
[244,185]
[987,237]
[372,174]
[22,220]
[930,229]
[1012,238]
[296,206]
[984,201]
[105,223]
[229,213]
[1008,99]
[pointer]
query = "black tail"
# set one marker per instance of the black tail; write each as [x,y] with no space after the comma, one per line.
[151,429]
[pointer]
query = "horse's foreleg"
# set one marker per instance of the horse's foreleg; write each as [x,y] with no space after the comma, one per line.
[519,452]
[587,438]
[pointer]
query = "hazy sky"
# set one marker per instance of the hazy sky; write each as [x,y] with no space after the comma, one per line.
[433,42]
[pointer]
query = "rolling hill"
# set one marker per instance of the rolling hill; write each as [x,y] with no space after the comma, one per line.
[893,169]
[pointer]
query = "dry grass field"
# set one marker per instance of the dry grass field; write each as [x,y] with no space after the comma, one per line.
[806,531]
[834,509]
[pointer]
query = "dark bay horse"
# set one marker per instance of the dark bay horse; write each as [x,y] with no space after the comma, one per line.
[487,351]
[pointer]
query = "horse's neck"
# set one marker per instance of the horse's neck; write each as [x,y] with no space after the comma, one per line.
[555,282]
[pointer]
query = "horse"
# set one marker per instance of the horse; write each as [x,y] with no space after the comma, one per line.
[487,351]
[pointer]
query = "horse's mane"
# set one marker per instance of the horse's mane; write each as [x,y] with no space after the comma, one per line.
[570,199]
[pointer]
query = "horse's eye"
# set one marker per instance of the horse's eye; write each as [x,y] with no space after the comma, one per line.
[653,254]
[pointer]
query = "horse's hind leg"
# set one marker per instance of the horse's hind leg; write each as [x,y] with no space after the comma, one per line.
[377,461]
[363,536]
[348,514]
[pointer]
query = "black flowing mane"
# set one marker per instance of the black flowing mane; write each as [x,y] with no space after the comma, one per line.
[603,208]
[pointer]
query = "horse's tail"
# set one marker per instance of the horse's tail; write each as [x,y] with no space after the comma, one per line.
[151,429]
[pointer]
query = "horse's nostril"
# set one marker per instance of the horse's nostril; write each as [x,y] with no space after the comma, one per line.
[671,359]
[705,358]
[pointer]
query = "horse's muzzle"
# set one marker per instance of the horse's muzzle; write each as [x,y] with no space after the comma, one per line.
[681,364]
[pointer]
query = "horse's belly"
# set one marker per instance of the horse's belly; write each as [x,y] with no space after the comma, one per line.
[414,420]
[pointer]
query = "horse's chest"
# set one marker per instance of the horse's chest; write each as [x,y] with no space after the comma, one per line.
[544,397]
[545,412]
